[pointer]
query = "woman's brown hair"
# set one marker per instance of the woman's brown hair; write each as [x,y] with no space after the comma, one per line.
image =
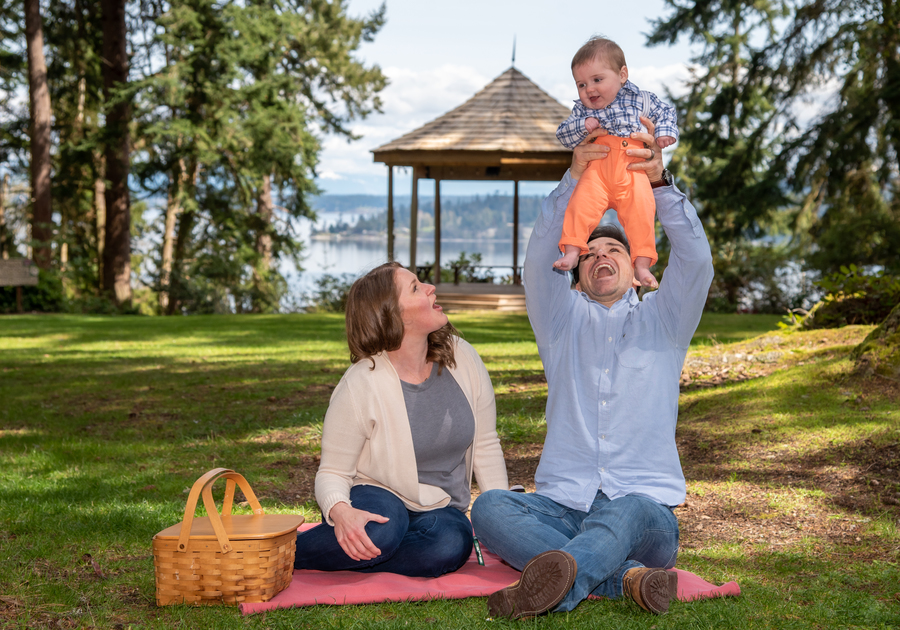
[374,323]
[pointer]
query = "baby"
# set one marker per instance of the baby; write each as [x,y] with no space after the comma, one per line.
[609,100]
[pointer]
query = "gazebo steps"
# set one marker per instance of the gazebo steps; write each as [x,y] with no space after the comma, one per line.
[488,297]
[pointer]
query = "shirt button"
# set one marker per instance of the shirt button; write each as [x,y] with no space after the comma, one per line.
[602,437]
[602,470]
[609,339]
[606,371]
[604,403]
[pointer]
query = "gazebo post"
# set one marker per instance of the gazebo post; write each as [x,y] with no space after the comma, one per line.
[437,230]
[390,214]
[413,220]
[515,234]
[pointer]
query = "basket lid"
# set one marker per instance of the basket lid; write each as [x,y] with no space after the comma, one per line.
[239,527]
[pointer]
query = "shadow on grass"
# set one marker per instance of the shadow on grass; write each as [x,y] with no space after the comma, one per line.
[115,398]
[237,330]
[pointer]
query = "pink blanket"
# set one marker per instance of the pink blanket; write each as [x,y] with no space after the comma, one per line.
[309,588]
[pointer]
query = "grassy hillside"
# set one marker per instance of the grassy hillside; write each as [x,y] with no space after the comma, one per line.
[791,461]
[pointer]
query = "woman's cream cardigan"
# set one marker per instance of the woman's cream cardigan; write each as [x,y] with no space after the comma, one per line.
[366,439]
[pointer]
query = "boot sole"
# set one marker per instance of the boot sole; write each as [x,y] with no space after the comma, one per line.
[544,583]
[658,589]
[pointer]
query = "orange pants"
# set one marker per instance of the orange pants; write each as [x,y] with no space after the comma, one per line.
[607,183]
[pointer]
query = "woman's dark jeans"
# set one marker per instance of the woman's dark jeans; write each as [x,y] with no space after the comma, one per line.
[417,544]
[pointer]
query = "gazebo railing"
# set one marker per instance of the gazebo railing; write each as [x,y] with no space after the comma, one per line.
[426,274]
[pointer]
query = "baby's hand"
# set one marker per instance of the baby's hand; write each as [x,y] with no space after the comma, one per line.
[663,141]
[590,124]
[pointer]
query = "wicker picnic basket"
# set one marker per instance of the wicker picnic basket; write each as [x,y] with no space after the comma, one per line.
[224,559]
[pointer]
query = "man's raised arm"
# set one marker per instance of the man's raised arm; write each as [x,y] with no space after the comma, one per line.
[547,290]
[685,284]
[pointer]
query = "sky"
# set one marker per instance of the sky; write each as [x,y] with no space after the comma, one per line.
[436,55]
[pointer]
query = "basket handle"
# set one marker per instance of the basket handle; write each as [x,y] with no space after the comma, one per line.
[203,486]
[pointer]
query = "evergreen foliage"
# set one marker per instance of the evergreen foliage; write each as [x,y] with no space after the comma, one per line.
[844,165]
[75,77]
[229,105]
[233,121]
[729,136]
[751,162]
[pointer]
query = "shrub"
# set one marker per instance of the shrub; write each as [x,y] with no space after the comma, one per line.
[465,269]
[331,292]
[853,297]
[47,296]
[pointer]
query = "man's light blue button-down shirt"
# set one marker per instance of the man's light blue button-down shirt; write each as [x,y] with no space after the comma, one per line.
[613,373]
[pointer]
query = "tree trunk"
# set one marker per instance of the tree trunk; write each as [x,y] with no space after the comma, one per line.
[174,207]
[117,248]
[265,210]
[182,238]
[4,247]
[41,113]
[100,214]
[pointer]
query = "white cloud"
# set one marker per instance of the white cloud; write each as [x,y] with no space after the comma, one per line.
[421,96]
[412,99]
[656,78]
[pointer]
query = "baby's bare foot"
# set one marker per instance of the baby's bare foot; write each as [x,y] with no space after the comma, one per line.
[645,278]
[567,262]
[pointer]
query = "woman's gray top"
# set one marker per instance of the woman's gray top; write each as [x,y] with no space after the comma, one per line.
[443,427]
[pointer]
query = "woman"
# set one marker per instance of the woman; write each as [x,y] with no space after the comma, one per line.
[410,421]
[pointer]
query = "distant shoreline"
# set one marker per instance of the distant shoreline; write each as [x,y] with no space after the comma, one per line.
[326,237]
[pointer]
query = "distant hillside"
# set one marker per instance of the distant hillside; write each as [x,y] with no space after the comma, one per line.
[350,203]
[469,217]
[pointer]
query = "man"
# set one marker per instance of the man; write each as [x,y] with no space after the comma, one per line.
[601,520]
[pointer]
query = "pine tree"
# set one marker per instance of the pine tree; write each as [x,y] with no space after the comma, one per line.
[840,169]
[39,134]
[14,127]
[728,125]
[844,164]
[74,37]
[117,151]
[233,121]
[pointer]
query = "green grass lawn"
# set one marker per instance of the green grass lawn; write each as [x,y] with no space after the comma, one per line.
[106,422]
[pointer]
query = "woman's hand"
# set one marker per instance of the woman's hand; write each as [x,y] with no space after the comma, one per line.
[586,152]
[653,165]
[350,530]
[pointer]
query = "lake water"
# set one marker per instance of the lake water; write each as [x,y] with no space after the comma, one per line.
[346,256]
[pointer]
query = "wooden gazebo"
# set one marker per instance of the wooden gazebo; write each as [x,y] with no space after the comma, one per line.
[506,132]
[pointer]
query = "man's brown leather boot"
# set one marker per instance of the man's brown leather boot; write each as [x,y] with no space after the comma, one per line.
[544,583]
[651,589]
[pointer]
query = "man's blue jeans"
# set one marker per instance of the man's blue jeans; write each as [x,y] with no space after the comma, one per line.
[611,538]
[417,544]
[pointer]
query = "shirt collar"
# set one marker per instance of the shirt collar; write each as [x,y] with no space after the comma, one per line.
[631,87]
[630,298]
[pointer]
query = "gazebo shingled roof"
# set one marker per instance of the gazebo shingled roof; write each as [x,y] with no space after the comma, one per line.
[507,131]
